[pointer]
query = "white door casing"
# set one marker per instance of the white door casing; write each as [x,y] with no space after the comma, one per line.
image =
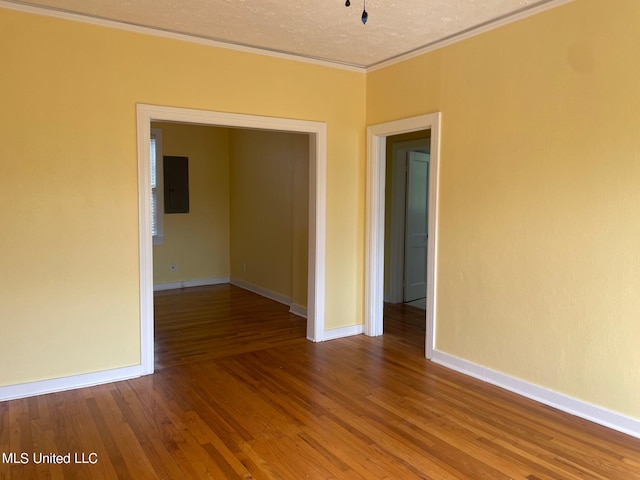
[317,208]
[374,253]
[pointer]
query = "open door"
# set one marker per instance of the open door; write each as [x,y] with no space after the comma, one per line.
[416,223]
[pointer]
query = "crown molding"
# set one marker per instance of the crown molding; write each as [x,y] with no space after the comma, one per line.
[130,27]
[458,37]
[471,32]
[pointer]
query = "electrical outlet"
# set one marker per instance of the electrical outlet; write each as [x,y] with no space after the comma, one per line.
[172,267]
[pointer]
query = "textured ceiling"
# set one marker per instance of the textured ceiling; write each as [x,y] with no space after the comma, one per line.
[317,29]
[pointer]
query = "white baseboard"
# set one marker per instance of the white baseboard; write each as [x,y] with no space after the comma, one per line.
[278,297]
[298,310]
[343,332]
[201,282]
[159,287]
[43,387]
[567,404]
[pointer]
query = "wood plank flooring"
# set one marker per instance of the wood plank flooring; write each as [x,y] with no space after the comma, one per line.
[202,323]
[354,408]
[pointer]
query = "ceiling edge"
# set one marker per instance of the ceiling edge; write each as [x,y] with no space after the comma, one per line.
[471,32]
[103,22]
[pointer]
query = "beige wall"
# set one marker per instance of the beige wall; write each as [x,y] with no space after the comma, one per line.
[197,243]
[269,210]
[70,303]
[538,271]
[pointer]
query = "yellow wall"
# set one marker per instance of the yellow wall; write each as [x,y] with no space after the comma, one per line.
[269,210]
[197,243]
[257,216]
[538,270]
[70,302]
[300,229]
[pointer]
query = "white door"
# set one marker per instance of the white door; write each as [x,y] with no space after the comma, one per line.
[416,214]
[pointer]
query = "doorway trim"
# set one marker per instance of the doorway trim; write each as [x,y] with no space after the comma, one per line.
[374,254]
[317,207]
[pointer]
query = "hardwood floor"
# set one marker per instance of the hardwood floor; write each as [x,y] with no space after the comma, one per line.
[203,323]
[353,408]
[406,325]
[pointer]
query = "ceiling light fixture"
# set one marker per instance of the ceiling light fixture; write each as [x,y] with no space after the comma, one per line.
[365,15]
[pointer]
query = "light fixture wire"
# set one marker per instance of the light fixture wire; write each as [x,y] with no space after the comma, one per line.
[365,15]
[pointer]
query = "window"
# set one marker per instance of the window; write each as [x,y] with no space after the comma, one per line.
[157,189]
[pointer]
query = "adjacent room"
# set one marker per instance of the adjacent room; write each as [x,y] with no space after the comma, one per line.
[245,224]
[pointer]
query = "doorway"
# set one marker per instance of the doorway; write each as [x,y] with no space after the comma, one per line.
[317,207]
[406,218]
[375,232]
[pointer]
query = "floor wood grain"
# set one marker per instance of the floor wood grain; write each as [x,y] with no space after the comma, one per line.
[202,323]
[354,408]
